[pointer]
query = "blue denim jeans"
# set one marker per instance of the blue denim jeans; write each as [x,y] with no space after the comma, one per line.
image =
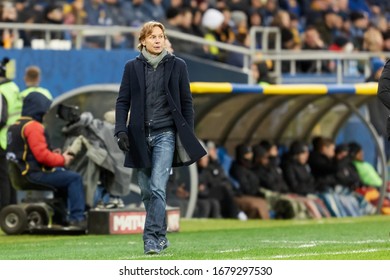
[153,183]
[70,181]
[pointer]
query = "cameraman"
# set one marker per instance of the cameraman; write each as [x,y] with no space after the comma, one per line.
[10,109]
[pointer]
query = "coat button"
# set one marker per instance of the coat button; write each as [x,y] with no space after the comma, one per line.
[174,110]
[183,124]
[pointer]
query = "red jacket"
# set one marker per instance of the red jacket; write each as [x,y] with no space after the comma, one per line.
[34,132]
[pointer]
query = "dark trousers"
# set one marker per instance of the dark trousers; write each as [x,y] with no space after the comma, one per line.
[7,192]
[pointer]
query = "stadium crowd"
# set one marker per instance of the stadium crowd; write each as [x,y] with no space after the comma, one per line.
[342,25]
[327,180]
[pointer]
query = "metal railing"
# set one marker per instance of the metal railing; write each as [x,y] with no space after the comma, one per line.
[276,55]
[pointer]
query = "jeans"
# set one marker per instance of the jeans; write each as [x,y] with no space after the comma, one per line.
[70,181]
[153,182]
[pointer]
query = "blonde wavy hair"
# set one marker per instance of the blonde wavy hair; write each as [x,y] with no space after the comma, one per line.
[147,29]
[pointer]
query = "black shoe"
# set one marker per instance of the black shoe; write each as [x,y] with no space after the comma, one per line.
[151,248]
[82,225]
[163,243]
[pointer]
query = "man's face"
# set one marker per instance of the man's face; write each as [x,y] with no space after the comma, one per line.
[155,42]
[329,151]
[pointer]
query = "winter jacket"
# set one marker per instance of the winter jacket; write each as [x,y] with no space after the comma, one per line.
[246,178]
[131,99]
[299,178]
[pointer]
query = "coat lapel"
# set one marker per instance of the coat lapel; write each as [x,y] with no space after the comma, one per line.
[168,71]
[139,70]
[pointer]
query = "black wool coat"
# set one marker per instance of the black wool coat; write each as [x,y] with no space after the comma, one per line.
[132,98]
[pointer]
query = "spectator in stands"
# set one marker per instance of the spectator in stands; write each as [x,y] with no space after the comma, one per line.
[176,3]
[97,13]
[376,66]
[53,14]
[154,10]
[316,9]
[32,79]
[369,179]
[8,13]
[31,8]
[238,5]
[343,44]
[228,29]
[285,204]
[177,194]
[269,175]
[116,13]
[359,5]
[201,5]
[346,173]
[174,21]
[270,10]
[240,22]
[235,58]
[321,161]
[241,170]
[255,20]
[296,7]
[208,206]
[367,173]
[386,42]
[312,41]
[248,197]
[220,185]
[359,24]
[297,171]
[197,22]
[30,12]
[135,12]
[74,13]
[373,40]
[330,27]
[296,27]
[283,22]
[185,25]
[260,74]
[213,20]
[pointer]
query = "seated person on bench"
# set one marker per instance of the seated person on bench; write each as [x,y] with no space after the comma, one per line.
[28,147]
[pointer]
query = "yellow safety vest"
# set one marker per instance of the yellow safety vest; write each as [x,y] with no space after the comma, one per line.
[14,108]
[44,91]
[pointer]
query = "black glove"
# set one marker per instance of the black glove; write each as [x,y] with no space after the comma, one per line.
[123,141]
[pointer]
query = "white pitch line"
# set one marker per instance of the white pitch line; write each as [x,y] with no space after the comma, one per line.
[308,245]
[326,241]
[231,251]
[330,253]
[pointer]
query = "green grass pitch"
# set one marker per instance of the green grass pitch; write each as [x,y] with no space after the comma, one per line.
[364,238]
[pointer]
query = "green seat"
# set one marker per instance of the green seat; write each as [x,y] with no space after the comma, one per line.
[22,183]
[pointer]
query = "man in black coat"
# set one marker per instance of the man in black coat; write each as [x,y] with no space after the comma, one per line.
[155,89]
[322,164]
[297,171]
[248,196]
